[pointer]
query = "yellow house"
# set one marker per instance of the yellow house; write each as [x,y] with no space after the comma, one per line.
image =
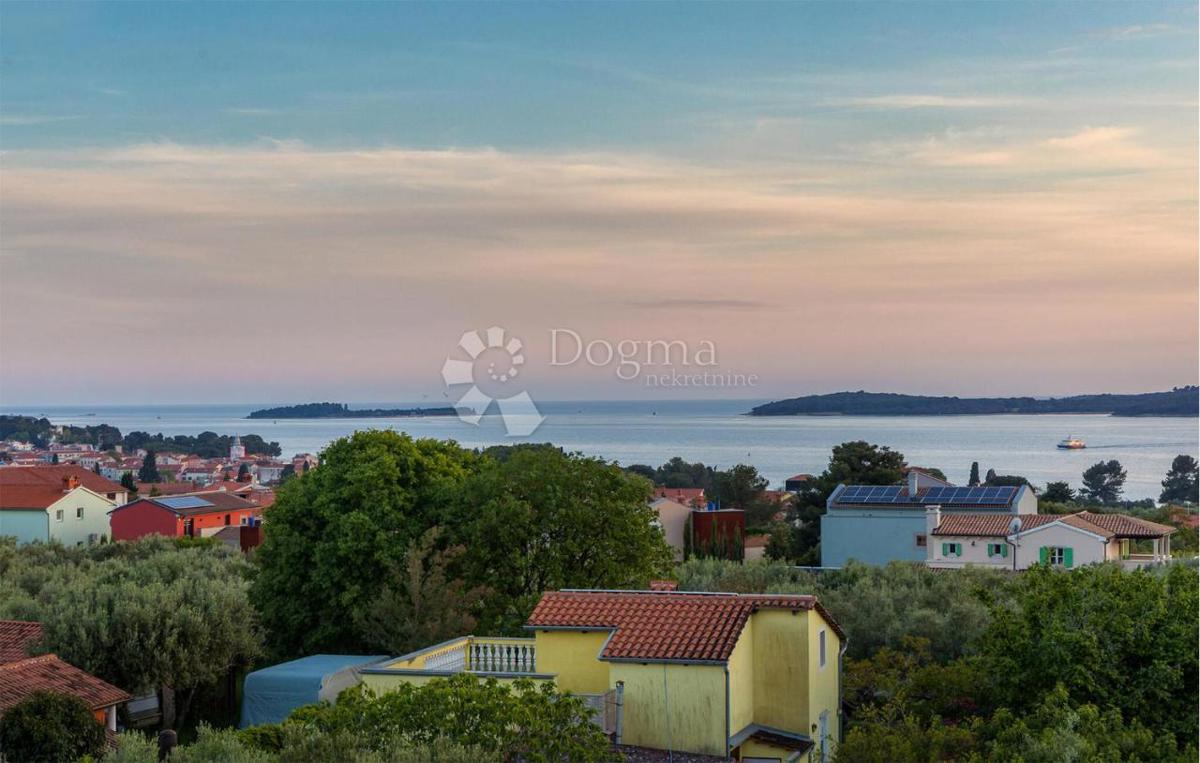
[748,677]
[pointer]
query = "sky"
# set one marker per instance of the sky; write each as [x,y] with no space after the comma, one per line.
[285,202]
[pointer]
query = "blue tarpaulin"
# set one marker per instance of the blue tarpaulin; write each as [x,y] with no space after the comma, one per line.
[271,694]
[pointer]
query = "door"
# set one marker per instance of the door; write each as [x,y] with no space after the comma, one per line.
[823,735]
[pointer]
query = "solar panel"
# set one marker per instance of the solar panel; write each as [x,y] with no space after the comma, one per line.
[896,494]
[183,502]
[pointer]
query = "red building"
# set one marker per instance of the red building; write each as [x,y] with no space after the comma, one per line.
[193,515]
[719,533]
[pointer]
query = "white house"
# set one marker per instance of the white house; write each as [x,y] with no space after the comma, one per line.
[1066,540]
[53,503]
[877,524]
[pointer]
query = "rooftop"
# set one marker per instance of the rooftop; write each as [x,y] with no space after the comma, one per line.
[49,673]
[898,496]
[663,625]
[16,636]
[36,487]
[998,525]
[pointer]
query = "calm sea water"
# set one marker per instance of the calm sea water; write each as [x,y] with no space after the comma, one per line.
[717,433]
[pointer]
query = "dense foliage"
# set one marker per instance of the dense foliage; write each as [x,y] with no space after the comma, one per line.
[141,614]
[530,519]
[523,720]
[294,744]
[1097,663]
[49,728]
[1103,482]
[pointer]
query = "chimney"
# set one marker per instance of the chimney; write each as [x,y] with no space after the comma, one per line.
[933,518]
[913,475]
[70,482]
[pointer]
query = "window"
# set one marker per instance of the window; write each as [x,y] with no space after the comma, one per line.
[1057,556]
[921,540]
[997,549]
[58,515]
[951,549]
[79,512]
[821,649]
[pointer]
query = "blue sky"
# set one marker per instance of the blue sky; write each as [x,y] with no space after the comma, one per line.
[992,177]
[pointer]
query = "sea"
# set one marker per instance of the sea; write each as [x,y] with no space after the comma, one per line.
[718,433]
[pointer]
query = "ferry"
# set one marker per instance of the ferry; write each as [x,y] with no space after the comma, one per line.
[1072,443]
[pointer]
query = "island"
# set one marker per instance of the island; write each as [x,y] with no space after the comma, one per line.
[1180,401]
[343,411]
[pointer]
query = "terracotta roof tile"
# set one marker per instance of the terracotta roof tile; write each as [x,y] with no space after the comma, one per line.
[49,673]
[989,524]
[16,636]
[53,477]
[654,625]
[1126,526]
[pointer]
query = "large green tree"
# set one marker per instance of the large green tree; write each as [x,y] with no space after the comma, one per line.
[1103,481]
[542,519]
[1111,638]
[1182,483]
[336,533]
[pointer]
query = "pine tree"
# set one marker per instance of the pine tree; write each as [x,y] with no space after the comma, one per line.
[149,470]
[974,480]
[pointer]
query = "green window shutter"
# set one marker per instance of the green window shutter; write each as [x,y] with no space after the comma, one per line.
[1044,554]
[945,549]
[1068,556]
[1004,550]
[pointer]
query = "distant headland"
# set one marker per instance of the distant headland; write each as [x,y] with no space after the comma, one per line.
[342,411]
[1181,401]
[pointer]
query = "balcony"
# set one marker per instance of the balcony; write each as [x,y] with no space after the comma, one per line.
[482,655]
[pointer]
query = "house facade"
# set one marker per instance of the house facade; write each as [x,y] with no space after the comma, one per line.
[1068,540]
[751,677]
[187,515]
[673,521]
[52,503]
[879,524]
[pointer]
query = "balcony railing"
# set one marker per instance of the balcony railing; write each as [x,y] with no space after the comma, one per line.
[473,654]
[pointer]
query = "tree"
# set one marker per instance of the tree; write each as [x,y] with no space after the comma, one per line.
[522,720]
[1058,492]
[1103,482]
[149,470]
[1182,483]
[337,532]
[140,615]
[243,474]
[128,483]
[738,488]
[991,475]
[974,478]
[50,728]
[1111,638]
[543,520]
[421,605]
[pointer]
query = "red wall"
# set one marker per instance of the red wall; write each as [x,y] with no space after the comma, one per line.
[143,517]
[139,518]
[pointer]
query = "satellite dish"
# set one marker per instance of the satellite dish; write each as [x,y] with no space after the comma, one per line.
[1014,526]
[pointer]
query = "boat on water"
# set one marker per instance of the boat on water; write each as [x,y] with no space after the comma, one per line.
[1072,443]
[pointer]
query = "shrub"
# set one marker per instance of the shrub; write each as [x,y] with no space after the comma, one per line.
[47,728]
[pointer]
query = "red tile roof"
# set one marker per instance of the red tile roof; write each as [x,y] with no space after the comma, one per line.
[989,524]
[1125,526]
[48,673]
[684,495]
[51,478]
[656,626]
[1107,525]
[16,636]
[28,496]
